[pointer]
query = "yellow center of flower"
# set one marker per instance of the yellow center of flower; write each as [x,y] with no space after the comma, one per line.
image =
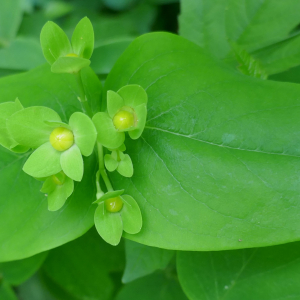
[123,120]
[59,178]
[114,204]
[71,55]
[61,138]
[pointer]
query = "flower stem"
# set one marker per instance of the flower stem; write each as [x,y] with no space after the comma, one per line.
[102,170]
[82,97]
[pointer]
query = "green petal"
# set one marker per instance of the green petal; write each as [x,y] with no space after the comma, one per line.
[109,195]
[133,95]
[55,124]
[83,38]
[69,64]
[131,215]
[48,186]
[110,163]
[58,197]
[84,131]
[43,162]
[28,126]
[108,136]
[54,42]
[114,103]
[109,225]
[141,113]
[7,109]
[125,167]
[72,163]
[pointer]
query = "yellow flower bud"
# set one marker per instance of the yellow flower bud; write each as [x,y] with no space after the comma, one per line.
[71,55]
[123,120]
[61,138]
[114,204]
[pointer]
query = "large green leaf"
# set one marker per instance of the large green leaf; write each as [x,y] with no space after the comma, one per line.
[16,272]
[143,260]
[263,273]
[27,225]
[218,161]
[252,24]
[156,286]
[82,267]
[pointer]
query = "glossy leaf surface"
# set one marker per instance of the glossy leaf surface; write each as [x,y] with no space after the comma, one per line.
[215,164]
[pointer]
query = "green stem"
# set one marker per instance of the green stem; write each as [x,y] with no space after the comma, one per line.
[99,190]
[102,168]
[82,97]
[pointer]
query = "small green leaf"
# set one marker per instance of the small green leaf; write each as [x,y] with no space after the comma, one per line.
[48,186]
[43,162]
[114,103]
[109,225]
[83,38]
[58,197]
[125,167]
[6,110]
[69,64]
[55,124]
[142,260]
[131,215]
[28,126]
[141,113]
[110,163]
[84,131]
[72,163]
[133,95]
[54,42]
[109,195]
[6,292]
[108,136]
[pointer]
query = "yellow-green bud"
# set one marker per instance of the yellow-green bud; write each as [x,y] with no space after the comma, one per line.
[72,55]
[114,204]
[61,138]
[123,120]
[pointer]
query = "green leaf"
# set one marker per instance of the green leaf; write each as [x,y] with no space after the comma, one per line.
[248,65]
[262,273]
[215,163]
[6,292]
[84,131]
[125,167]
[97,258]
[143,260]
[10,19]
[43,162]
[108,136]
[17,272]
[111,51]
[28,126]
[58,196]
[6,110]
[92,87]
[109,225]
[69,64]
[133,95]
[83,38]
[250,23]
[109,195]
[110,163]
[114,103]
[141,113]
[156,286]
[48,186]
[72,163]
[19,193]
[55,124]
[54,42]
[56,9]
[131,215]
